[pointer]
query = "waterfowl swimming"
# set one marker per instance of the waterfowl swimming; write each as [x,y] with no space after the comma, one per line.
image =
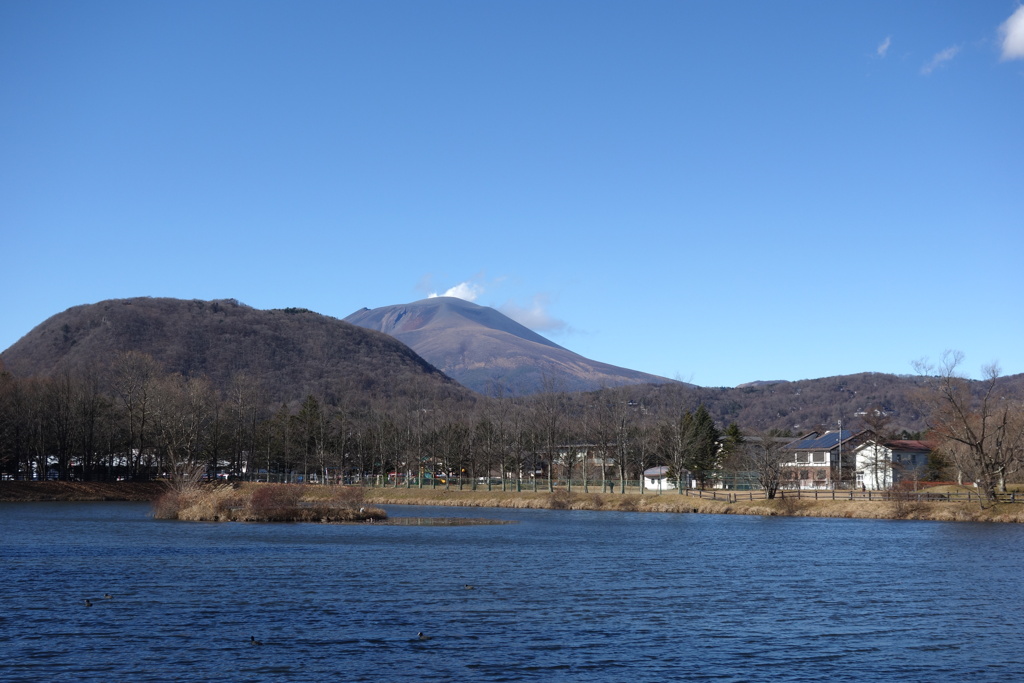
[88,602]
[469,588]
[253,641]
[107,596]
[422,636]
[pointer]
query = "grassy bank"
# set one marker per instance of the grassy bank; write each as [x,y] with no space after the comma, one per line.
[221,503]
[673,502]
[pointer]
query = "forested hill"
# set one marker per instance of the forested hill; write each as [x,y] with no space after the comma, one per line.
[294,353]
[884,402]
[291,352]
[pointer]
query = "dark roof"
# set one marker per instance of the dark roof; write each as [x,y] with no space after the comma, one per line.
[820,442]
[910,445]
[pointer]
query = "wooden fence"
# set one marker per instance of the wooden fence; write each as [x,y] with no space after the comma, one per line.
[832,494]
[733,496]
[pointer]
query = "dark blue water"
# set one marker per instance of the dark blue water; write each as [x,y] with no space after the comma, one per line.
[559,596]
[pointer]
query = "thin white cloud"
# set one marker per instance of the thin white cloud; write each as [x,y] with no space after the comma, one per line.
[1012,33]
[940,59]
[883,47]
[464,290]
[535,316]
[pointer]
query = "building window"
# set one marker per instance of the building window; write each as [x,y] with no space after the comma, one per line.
[818,457]
[801,457]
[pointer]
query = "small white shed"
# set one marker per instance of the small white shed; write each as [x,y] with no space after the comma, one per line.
[656,479]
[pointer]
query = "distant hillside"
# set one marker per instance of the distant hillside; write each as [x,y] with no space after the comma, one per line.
[489,352]
[801,406]
[293,352]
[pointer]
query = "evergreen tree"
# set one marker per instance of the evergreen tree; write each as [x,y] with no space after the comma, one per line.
[703,453]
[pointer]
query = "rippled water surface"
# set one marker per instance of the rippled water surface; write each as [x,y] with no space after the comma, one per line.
[558,596]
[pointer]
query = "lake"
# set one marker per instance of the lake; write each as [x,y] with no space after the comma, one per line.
[556,596]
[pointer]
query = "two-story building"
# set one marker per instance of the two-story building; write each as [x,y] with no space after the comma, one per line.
[882,465]
[822,460]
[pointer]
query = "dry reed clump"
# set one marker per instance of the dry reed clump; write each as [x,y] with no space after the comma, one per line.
[212,503]
[560,499]
[265,503]
[788,506]
[347,496]
[199,502]
[628,503]
[271,499]
[168,505]
[904,502]
[661,504]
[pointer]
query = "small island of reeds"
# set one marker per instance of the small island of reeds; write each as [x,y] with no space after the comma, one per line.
[252,502]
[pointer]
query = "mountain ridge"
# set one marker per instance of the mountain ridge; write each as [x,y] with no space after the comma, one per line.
[489,352]
[297,353]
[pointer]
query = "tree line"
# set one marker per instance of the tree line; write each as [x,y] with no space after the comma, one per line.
[133,420]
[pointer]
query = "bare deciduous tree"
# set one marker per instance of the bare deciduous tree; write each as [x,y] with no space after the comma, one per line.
[982,429]
[134,376]
[765,454]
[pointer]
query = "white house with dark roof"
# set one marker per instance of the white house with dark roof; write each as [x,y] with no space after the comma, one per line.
[881,465]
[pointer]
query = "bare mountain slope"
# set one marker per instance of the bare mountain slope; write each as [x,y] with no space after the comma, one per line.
[489,352]
[293,352]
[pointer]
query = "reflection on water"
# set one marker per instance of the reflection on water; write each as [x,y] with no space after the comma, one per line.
[558,596]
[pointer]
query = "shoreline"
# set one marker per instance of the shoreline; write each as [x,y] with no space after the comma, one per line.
[669,502]
[80,491]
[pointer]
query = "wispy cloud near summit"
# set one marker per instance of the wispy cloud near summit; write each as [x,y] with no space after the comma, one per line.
[464,290]
[534,316]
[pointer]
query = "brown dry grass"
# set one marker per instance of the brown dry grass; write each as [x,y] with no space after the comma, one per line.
[267,503]
[224,502]
[672,502]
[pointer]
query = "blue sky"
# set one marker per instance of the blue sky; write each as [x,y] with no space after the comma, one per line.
[715,192]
